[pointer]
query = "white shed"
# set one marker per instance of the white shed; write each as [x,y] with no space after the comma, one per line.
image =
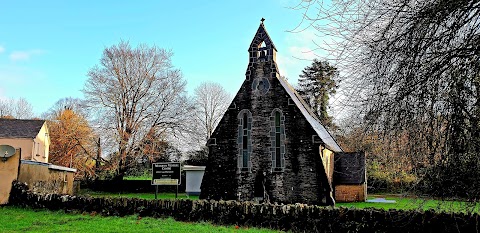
[193,177]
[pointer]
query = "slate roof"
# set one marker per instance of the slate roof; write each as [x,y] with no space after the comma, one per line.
[15,128]
[349,168]
[324,135]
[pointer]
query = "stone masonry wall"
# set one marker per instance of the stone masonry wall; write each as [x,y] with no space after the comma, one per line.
[284,218]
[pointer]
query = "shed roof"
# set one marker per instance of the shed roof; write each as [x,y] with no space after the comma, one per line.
[15,128]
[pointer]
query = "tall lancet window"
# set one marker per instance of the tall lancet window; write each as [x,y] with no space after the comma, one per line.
[277,139]
[244,140]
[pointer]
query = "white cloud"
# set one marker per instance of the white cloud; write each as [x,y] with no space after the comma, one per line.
[24,55]
[307,44]
[304,53]
[297,55]
[2,49]
[283,62]
[301,48]
[291,66]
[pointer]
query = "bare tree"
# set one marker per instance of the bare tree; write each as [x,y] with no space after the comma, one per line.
[212,101]
[5,108]
[414,68]
[23,109]
[75,104]
[133,91]
[16,108]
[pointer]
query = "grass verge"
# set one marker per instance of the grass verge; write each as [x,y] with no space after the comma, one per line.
[411,203]
[15,219]
[148,196]
[144,177]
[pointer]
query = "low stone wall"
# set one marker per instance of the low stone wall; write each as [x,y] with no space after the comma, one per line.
[351,193]
[296,218]
[46,178]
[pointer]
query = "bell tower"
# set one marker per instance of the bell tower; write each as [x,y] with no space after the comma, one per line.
[262,51]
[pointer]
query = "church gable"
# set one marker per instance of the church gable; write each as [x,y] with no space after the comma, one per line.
[265,147]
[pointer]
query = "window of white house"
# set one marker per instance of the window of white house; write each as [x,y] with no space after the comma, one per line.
[37,148]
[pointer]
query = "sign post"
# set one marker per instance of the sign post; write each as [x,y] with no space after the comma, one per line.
[167,173]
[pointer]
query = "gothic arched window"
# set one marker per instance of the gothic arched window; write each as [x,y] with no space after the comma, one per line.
[277,139]
[244,140]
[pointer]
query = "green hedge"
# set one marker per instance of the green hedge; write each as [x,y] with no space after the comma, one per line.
[295,217]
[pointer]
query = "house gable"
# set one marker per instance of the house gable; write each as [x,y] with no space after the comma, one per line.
[31,136]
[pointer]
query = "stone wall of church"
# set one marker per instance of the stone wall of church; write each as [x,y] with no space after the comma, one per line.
[303,177]
[299,175]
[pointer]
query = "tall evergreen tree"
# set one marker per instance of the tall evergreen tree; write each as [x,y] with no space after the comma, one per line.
[316,84]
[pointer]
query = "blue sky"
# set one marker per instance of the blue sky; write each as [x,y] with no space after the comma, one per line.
[47,47]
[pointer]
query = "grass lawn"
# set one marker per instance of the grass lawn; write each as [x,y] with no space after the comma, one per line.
[15,219]
[148,196]
[144,177]
[410,203]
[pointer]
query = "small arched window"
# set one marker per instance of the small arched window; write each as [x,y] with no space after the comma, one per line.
[244,140]
[262,50]
[277,139]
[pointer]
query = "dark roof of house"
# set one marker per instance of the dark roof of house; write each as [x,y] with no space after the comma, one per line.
[15,128]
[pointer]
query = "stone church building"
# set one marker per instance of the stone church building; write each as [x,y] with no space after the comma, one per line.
[269,146]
